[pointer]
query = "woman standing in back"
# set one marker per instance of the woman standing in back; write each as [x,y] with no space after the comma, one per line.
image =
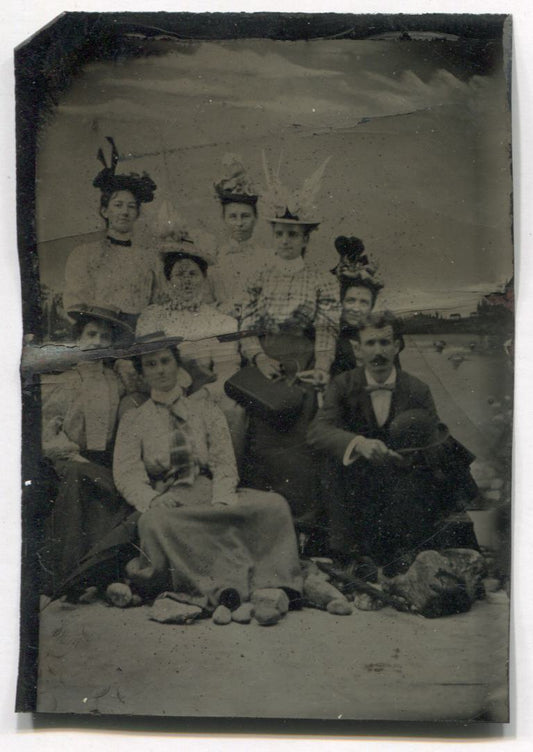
[293,311]
[114,270]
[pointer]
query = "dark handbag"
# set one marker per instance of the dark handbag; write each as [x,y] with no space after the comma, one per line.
[278,401]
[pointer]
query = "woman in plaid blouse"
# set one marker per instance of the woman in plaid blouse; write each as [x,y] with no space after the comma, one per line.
[292,321]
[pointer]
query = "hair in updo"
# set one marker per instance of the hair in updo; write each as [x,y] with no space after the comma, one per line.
[79,325]
[105,198]
[347,282]
[172,258]
[137,359]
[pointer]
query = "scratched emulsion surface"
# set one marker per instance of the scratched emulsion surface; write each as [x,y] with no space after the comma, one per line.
[418,133]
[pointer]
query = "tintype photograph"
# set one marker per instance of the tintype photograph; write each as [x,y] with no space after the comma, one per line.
[267,375]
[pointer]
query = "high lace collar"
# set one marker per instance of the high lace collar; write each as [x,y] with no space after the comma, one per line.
[286,267]
[178,305]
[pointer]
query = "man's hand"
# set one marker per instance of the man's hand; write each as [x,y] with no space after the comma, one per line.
[375,451]
[269,367]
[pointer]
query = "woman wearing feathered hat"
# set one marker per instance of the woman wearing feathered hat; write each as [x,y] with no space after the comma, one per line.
[114,270]
[294,310]
[238,258]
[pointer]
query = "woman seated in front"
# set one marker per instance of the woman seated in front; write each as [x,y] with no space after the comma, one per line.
[80,411]
[199,534]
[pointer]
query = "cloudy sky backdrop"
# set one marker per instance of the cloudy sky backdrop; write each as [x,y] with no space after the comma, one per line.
[418,137]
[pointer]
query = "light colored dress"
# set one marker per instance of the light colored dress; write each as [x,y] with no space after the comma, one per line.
[104,274]
[236,265]
[79,410]
[216,537]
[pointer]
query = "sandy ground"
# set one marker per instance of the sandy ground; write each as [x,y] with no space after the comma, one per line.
[386,665]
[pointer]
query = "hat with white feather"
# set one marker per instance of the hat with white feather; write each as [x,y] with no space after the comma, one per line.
[285,206]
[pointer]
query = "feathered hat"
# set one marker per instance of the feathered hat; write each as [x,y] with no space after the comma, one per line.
[174,237]
[235,185]
[141,186]
[354,264]
[292,207]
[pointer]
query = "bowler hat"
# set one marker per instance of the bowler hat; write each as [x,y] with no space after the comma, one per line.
[415,430]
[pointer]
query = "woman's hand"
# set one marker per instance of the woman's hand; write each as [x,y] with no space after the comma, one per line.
[269,367]
[227,501]
[320,377]
[166,499]
[316,376]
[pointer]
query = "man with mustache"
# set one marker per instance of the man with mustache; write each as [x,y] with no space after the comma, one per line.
[382,503]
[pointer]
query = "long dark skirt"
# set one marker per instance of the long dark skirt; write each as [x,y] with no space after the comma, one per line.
[278,458]
[203,549]
[86,507]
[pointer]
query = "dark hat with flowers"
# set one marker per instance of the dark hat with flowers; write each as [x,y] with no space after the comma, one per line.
[354,265]
[235,186]
[108,181]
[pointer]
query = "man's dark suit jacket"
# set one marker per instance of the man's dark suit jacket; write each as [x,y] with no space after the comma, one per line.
[377,510]
[347,410]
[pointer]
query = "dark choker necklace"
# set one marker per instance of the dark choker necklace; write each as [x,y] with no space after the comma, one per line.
[123,243]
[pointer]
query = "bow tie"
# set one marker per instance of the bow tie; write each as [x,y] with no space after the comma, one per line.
[379,388]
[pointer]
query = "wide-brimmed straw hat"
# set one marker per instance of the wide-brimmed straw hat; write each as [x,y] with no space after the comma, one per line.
[289,218]
[414,431]
[151,342]
[111,315]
